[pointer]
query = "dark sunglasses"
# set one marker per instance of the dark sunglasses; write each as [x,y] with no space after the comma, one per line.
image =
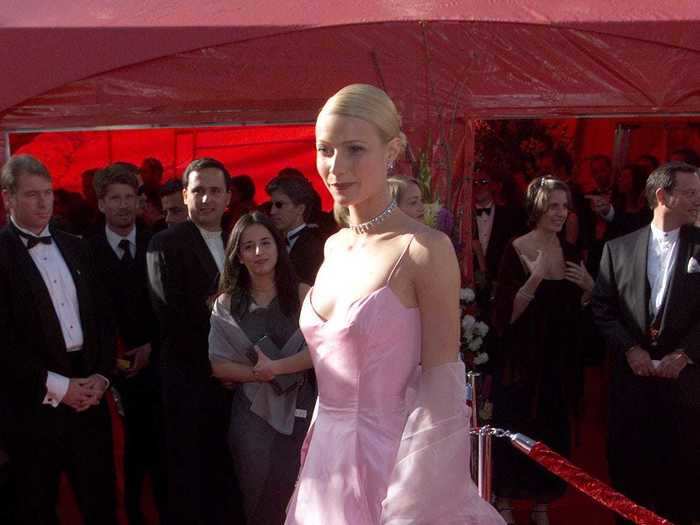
[482,182]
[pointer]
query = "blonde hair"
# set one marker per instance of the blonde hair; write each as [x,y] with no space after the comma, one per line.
[372,105]
[398,186]
[539,193]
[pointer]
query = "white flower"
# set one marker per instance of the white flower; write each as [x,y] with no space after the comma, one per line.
[466,295]
[467,324]
[481,329]
[481,357]
[474,345]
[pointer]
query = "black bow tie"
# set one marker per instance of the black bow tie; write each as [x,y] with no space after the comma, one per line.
[481,211]
[33,240]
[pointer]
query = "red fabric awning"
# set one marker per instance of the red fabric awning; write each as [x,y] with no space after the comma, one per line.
[89,63]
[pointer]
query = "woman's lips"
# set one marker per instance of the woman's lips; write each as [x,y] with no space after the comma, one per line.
[342,186]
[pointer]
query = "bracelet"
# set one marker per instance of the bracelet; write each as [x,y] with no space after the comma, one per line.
[525,294]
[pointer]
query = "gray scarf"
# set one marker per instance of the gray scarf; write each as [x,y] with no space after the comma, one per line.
[228,342]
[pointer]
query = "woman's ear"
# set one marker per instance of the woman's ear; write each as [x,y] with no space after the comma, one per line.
[393,149]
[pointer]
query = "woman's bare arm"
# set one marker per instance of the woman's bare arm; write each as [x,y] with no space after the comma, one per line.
[437,283]
[229,372]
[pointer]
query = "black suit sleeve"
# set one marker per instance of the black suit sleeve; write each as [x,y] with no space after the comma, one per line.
[167,278]
[606,306]
[21,371]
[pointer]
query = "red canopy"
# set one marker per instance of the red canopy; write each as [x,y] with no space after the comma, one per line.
[93,63]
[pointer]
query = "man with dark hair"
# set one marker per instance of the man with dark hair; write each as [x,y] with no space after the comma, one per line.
[119,250]
[598,214]
[294,201]
[242,200]
[646,303]
[151,172]
[56,357]
[494,225]
[244,189]
[172,202]
[184,263]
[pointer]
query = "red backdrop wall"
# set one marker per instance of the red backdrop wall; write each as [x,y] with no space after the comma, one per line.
[258,151]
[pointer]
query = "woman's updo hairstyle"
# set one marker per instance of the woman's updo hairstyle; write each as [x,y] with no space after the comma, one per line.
[370,104]
[539,193]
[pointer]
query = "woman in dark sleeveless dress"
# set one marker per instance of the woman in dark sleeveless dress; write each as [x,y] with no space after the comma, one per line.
[542,287]
[257,310]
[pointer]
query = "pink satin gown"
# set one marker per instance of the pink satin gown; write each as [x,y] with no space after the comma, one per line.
[389,443]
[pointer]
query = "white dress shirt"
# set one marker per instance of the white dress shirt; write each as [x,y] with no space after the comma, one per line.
[114,239]
[215,243]
[59,282]
[484,225]
[661,260]
[292,236]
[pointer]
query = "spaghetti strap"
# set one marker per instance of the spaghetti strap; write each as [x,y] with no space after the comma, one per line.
[398,261]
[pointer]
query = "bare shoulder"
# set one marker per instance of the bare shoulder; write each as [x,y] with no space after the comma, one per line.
[431,245]
[519,243]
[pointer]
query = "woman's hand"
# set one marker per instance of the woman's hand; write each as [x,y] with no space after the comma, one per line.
[578,274]
[538,267]
[264,370]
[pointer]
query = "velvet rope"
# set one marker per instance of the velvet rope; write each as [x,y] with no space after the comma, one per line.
[594,488]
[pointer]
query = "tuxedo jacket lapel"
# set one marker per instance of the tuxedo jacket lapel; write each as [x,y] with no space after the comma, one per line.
[203,254]
[677,283]
[641,290]
[40,296]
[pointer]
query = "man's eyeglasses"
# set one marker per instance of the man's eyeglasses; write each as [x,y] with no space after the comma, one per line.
[482,182]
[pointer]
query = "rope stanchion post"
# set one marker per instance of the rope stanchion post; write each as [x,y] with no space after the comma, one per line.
[472,377]
[485,464]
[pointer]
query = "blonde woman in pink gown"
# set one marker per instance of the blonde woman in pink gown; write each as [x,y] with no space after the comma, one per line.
[389,442]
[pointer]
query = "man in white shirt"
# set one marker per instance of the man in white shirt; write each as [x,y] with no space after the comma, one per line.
[56,356]
[646,304]
[184,262]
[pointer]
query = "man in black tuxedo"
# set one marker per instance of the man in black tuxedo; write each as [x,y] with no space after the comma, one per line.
[598,214]
[184,262]
[493,226]
[293,203]
[646,304]
[119,250]
[56,357]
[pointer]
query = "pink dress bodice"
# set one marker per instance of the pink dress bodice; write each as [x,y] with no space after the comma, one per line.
[364,357]
[367,363]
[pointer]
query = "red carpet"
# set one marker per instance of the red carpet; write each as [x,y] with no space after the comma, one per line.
[573,509]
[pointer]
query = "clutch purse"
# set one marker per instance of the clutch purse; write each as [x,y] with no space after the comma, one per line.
[280,384]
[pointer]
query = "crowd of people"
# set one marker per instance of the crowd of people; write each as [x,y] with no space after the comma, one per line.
[217,323]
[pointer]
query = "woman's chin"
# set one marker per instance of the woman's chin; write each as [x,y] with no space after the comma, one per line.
[344,200]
